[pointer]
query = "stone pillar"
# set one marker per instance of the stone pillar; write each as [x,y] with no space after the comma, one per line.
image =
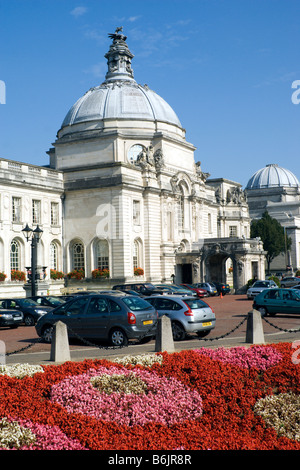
[254,333]
[60,351]
[164,336]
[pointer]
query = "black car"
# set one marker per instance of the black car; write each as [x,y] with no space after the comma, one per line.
[222,288]
[10,318]
[31,310]
[48,300]
[142,288]
[116,318]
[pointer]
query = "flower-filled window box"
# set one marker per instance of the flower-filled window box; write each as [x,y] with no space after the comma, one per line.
[138,271]
[17,275]
[76,274]
[100,273]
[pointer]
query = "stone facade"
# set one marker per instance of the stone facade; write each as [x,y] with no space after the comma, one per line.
[129,194]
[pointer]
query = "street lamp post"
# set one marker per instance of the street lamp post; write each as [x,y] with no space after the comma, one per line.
[34,236]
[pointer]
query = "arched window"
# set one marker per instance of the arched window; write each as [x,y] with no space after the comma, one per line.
[102,255]
[77,254]
[180,210]
[137,254]
[53,256]
[15,255]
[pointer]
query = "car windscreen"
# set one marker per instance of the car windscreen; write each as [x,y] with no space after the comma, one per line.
[27,302]
[136,304]
[55,301]
[195,303]
[261,284]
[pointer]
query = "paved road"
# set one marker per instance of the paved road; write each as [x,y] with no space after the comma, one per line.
[231,312]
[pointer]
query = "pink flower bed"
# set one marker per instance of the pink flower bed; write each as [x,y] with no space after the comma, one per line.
[260,357]
[166,400]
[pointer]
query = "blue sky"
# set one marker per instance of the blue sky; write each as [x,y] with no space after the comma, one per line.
[225,66]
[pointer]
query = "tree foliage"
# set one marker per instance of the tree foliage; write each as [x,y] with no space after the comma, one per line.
[272,235]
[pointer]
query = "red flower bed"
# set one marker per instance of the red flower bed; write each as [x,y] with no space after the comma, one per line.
[229,392]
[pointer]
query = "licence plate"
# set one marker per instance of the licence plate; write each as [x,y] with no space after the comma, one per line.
[147,322]
[208,323]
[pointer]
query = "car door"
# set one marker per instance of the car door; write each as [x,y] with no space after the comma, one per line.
[95,320]
[272,300]
[291,301]
[72,314]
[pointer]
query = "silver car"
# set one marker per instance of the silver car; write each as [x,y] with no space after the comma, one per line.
[289,281]
[258,287]
[187,314]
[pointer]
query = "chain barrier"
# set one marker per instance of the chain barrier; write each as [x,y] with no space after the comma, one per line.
[153,328]
[39,340]
[281,329]
[226,334]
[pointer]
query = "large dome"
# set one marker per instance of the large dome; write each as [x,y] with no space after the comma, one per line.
[119,96]
[125,100]
[272,176]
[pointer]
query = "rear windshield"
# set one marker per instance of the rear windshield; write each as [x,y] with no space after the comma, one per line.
[261,284]
[195,303]
[135,304]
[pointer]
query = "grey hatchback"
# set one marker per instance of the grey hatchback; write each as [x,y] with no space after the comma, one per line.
[115,317]
[187,314]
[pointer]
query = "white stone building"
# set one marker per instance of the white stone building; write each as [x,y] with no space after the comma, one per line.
[130,194]
[277,190]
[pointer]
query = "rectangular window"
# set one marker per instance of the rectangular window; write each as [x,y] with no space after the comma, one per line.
[36,211]
[16,209]
[136,213]
[233,231]
[54,213]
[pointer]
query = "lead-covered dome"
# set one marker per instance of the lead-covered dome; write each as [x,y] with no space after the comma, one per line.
[119,96]
[272,176]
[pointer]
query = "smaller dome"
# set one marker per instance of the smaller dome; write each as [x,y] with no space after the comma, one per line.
[272,176]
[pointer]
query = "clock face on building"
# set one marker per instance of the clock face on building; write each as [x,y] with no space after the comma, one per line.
[133,152]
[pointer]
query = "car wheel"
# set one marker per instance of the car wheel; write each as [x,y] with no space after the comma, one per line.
[47,333]
[29,320]
[263,311]
[178,331]
[118,338]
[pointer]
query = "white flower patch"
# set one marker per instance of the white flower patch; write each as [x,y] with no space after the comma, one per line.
[146,360]
[20,370]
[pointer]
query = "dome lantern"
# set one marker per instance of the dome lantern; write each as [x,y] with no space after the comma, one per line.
[119,58]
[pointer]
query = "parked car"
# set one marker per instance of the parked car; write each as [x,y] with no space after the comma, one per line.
[297,287]
[222,288]
[142,288]
[10,318]
[48,300]
[258,287]
[174,289]
[187,314]
[199,290]
[210,288]
[31,310]
[279,300]
[289,281]
[116,318]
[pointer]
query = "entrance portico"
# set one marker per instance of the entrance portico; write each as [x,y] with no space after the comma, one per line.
[216,258]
